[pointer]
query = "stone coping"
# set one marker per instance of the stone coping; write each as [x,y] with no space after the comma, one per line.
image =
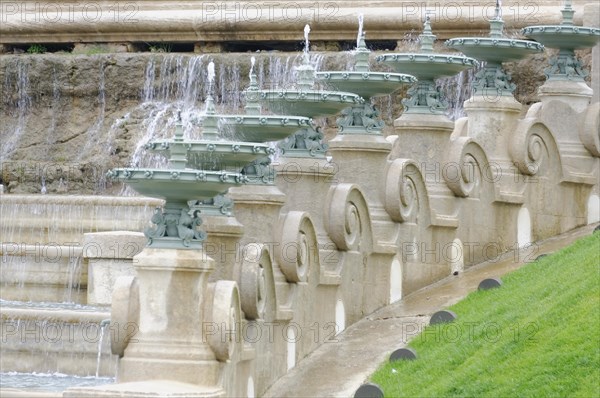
[193,21]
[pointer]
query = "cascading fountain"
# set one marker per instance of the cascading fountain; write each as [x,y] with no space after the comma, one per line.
[363,118]
[492,81]
[565,66]
[198,169]
[253,126]
[425,98]
[307,101]
[345,229]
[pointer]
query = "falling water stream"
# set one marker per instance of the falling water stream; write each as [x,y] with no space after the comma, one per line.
[17,82]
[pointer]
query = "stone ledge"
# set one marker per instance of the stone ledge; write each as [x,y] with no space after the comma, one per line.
[250,21]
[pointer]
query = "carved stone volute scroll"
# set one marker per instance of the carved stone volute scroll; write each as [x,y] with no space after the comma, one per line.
[463,167]
[530,146]
[347,218]
[222,308]
[257,284]
[590,133]
[297,250]
[404,190]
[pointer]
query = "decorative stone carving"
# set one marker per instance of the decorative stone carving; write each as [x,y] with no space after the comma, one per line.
[347,219]
[307,140]
[260,171]
[565,66]
[590,133]
[493,78]
[464,163]
[224,312]
[257,285]
[176,223]
[365,116]
[529,146]
[426,95]
[403,185]
[297,246]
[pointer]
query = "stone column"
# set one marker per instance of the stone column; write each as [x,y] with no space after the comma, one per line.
[252,201]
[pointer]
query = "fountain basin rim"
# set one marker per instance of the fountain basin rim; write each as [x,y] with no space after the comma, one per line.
[493,42]
[357,75]
[312,96]
[495,50]
[183,175]
[563,36]
[177,185]
[264,128]
[211,146]
[427,58]
[256,120]
[309,103]
[366,84]
[427,67]
[562,29]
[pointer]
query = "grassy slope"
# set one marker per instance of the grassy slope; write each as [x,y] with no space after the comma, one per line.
[536,336]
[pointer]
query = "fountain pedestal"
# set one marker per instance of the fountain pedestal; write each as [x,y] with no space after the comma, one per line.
[576,94]
[363,156]
[251,200]
[168,343]
[306,182]
[490,120]
[428,135]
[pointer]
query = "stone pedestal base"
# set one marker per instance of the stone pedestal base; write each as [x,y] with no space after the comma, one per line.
[491,120]
[576,94]
[363,156]
[428,135]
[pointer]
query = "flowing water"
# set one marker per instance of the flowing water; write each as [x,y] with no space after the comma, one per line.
[457,90]
[49,382]
[16,85]
[177,84]
[94,132]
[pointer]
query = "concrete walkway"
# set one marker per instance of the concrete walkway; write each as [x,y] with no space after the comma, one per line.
[337,369]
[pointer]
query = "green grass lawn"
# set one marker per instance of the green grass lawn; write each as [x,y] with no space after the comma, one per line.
[536,336]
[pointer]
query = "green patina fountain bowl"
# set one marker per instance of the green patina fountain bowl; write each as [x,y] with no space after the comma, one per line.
[367,84]
[177,186]
[426,66]
[212,154]
[261,128]
[308,103]
[495,50]
[566,37]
